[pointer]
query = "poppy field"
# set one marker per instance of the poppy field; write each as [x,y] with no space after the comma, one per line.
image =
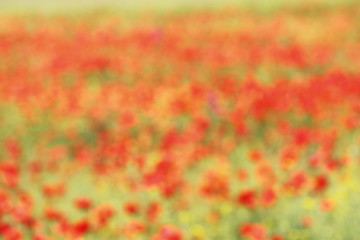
[222,124]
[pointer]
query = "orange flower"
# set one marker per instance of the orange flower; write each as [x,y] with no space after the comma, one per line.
[134,227]
[327,204]
[152,211]
[214,184]
[255,155]
[306,221]
[104,213]
[242,175]
[265,174]
[53,214]
[54,189]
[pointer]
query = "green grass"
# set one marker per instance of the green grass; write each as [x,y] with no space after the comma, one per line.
[135,6]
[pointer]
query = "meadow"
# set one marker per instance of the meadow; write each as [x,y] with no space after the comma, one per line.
[221,123]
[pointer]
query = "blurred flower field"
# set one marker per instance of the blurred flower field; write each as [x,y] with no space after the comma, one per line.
[227,124]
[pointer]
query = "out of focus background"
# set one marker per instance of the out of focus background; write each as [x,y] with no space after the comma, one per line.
[54,6]
[179,120]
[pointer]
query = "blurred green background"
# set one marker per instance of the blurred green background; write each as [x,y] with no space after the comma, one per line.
[63,6]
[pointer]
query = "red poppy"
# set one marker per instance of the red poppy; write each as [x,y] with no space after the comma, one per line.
[83,203]
[131,207]
[253,231]
[247,198]
[168,232]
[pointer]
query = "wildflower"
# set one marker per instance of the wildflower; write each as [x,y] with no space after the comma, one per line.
[253,231]
[215,184]
[320,183]
[247,198]
[268,197]
[152,211]
[327,204]
[81,227]
[168,232]
[83,203]
[306,221]
[131,207]
[104,213]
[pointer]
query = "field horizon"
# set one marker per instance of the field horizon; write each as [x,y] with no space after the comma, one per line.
[153,6]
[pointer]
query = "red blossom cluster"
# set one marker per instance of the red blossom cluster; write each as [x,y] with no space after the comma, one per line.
[129,129]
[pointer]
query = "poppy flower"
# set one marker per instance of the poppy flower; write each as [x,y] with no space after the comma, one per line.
[81,227]
[83,203]
[131,207]
[253,231]
[168,232]
[247,198]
